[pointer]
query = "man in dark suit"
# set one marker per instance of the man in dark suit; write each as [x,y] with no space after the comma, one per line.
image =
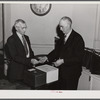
[19,50]
[67,55]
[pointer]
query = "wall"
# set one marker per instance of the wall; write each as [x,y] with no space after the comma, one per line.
[1,35]
[84,21]
[7,20]
[41,30]
[97,33]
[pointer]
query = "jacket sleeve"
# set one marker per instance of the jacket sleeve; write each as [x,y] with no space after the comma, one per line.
[51,56]
[54,54]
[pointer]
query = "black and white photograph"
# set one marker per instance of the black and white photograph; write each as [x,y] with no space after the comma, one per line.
[50,46]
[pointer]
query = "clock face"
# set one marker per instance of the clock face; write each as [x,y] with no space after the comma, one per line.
[40,9]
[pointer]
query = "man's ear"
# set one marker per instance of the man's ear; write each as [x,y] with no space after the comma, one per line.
[16,27]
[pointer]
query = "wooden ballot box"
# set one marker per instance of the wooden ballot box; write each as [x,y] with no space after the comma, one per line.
[51,72]
[34,77]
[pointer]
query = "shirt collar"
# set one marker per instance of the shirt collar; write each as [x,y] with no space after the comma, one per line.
[67,35]
[19,35]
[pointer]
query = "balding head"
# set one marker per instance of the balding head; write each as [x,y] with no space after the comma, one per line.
[66,19]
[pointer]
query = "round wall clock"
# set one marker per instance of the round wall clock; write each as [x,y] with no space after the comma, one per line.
[40,9]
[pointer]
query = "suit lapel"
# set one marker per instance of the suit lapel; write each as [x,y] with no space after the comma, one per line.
[18,41]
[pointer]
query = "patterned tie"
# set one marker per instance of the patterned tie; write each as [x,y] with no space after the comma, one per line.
[65,39]
[25,45]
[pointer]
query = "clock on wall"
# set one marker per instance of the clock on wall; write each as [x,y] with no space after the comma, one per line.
[40,9]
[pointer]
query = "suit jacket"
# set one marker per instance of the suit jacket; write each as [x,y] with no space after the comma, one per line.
[17,55]
[72,53]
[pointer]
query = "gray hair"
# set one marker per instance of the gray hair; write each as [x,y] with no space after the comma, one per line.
[19,20]
[66,18]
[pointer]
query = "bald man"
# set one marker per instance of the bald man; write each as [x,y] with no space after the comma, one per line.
[67,55]
[20,52]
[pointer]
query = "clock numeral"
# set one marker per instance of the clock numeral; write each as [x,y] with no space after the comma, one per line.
[40,9]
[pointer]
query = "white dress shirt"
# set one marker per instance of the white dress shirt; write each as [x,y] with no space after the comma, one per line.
[67,36]
[20,37]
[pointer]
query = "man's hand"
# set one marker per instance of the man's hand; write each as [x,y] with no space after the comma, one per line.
[58,62]
[42,59]
[34,61]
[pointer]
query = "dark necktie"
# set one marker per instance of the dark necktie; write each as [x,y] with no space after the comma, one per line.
[25,45]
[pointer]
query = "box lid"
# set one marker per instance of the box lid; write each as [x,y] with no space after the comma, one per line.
[46,68]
